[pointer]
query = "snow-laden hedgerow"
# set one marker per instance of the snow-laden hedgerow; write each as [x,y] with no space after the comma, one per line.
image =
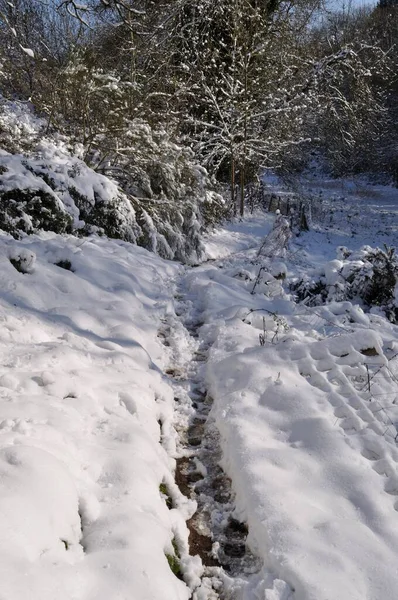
[56,191]
[157,196]
[370,275]
[171,193]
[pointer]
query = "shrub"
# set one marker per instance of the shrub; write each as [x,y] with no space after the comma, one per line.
[370,275]
[153,194]
[22,260]
[27,210]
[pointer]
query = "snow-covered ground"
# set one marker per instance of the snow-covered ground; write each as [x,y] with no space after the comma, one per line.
[304,400]
[307,417]
[346,212]
[86,435]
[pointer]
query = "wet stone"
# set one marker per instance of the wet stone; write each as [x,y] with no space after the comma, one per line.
[218,472]
[194,441]
[193,332]
[174,373]
[220,482]
[221,487]
[198,393]
[163,333]
[195,434]
[199,420]
[201,438]
[194,477]
[236,527]
[226,567]
[222,497]
[234,550]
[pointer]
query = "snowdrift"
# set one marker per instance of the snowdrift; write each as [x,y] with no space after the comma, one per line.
[85,423]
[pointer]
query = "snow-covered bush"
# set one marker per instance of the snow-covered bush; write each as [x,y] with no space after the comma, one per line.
[265,283]
[370,275]
[154,194]
[22,259]
[276,242]
[20,128]
[56,191]
[28,210]
[170,192]
[278,270]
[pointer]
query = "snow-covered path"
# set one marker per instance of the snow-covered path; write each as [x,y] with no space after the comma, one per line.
[307,430]
[152,413]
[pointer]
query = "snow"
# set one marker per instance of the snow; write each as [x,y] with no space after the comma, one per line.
[68,175]
[237,235]
[308,442]
[346,212]
[81,515]
[303,399]
[23,259]
[28,51]
[23,124]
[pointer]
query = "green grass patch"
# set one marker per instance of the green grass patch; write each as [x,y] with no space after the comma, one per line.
[174,561]
[165,493]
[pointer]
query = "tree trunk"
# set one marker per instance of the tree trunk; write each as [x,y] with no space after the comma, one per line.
[242,191]
[233,199]
[303,220]
[243,169]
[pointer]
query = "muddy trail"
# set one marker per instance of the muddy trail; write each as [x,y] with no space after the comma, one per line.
[214,532]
